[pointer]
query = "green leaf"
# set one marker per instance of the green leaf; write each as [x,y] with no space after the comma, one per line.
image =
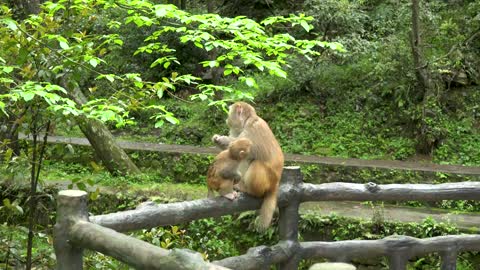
[19,209]
[213,64]
[278,72]
[172,119]
[90,181]
[110,77]
[7,69]
[159,124]
[118,42]
[305,26]
[6,202]
[27,96]
[250,82]
[160,12]
[166,65]
[2,107]
[160,93]
[64,45]
[11,24]
[81,186]
[94,195]
[138,84]
[93,62]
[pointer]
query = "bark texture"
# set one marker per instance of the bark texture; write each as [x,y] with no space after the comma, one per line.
[397,248]
[71,207]
[289,216]
[427,137]
[134,252]
[112,155]
[391,192]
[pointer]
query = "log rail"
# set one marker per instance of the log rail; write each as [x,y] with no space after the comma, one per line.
[75,230]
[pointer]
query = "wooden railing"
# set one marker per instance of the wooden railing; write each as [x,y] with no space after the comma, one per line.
[76,231]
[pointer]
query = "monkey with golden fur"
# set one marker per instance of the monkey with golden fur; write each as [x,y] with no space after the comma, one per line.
[223,173]
[262,170]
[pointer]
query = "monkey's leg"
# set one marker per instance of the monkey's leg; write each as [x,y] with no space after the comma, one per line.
[211,193]
[240,186]
[256,180]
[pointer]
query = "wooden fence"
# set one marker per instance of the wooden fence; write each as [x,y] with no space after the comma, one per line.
[75,230]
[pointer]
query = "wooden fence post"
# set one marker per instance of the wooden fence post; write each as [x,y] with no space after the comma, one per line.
[397,262]
[289,217]
[71,207]
[449,260]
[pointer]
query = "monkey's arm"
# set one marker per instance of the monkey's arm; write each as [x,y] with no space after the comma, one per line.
[222,141]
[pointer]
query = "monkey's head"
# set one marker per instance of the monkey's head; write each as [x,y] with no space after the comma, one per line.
[239,113]
[239,149]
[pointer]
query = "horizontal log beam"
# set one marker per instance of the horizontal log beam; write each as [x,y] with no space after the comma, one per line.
[261,257]
[404,246]
[150,215]
[134,252]
[154,215]
[391,192]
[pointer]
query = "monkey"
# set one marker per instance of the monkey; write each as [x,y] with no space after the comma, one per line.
[262,169]
[223,173]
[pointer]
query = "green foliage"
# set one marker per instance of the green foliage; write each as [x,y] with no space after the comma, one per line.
[69,42]
[345,228]
[29,41]
[13,248]
[336,18]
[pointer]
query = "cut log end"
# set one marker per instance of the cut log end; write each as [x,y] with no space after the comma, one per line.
[72,193]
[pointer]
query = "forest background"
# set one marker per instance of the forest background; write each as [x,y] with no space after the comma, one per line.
[365,79]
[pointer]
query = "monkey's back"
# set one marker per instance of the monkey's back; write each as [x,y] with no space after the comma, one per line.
[214,180]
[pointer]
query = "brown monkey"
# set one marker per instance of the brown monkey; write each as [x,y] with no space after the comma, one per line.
[223,173]
[261,174]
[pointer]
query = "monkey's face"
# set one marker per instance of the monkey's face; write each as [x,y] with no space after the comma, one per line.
[235,119]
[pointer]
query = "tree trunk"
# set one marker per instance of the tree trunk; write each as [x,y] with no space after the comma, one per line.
[421,71]
[9,134]
[32,6]
[113,156]
[210,6]
[25,7]
[426,138]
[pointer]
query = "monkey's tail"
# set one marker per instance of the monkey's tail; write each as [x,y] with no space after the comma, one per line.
[266,211]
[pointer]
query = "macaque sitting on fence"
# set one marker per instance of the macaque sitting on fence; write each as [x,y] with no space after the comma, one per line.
[223,173]
[261,174]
